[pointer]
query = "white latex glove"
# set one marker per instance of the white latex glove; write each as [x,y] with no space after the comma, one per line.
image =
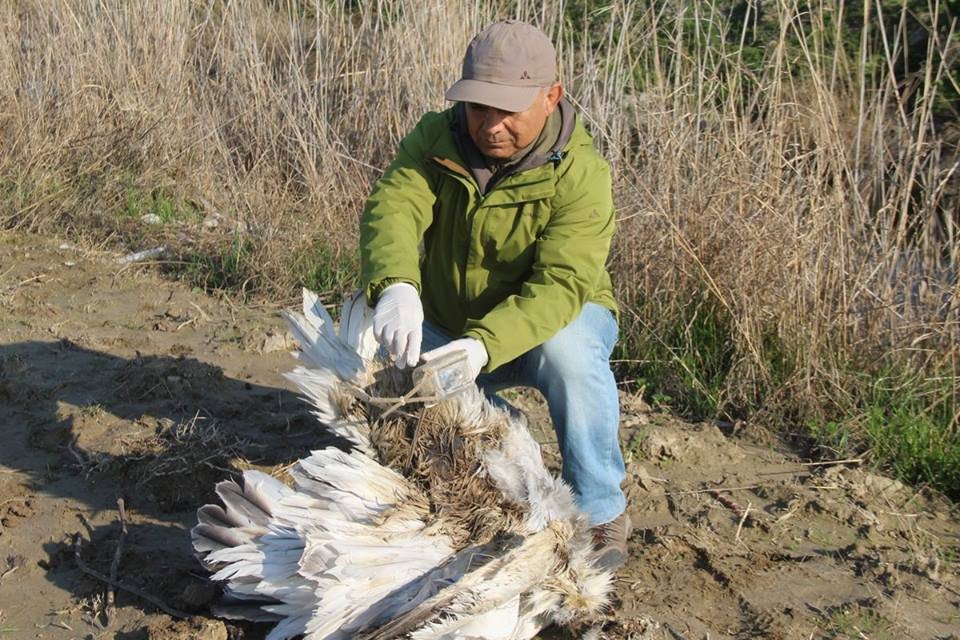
[476,353]
[398,323]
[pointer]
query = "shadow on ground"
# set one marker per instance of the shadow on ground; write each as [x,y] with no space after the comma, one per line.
[84,428]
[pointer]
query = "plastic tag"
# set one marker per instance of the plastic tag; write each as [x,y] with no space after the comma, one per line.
[446,376]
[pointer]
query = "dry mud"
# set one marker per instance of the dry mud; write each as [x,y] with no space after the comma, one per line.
[115,383]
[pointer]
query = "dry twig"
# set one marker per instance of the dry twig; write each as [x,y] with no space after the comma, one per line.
[830,463]
[715,491]
[728,503]
[115,565]
[13,563]
[155,601]
[743,519]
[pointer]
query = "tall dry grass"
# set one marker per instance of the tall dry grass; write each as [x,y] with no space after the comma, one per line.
[788,230]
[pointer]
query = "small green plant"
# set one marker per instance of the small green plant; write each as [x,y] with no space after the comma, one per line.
[327,271]
[9,189]
[633,448]
[661,400]
[906,422]
[227,268]
[686,362]
[833,435]
[20,195]
[949,555]
[917,438]
[13,194]
[159,202]
[855,623]
[94,410]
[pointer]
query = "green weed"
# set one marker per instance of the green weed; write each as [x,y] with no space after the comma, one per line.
[684,363]
[633,449]
[847,623]
[833,435]
[918,439]
[949,555]
[139,202]
[230,268]
[908,425]
[92,411]
[23,199]
[327,271]
[11,190]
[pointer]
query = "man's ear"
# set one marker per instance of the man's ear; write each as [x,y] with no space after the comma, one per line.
[552,96]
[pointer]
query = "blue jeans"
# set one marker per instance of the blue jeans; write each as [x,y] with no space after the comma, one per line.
[572,371]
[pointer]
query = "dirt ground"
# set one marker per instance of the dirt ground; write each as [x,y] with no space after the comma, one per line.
[116,383]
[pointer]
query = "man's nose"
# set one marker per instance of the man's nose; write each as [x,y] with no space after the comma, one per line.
[492,119]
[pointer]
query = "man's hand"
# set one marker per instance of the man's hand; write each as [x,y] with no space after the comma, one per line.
[398,323]
[476,354]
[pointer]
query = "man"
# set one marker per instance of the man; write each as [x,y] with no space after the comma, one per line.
[513,208]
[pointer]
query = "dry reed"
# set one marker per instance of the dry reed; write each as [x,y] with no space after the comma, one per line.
[788,230]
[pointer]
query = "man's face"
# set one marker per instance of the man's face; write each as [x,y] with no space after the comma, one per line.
[500,134]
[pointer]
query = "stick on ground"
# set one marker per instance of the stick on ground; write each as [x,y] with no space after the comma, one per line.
[115,565]
[155,601]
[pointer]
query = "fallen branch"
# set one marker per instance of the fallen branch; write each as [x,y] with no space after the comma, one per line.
[730,504]
[743,519]
[829,463]
[115,565]
[807,465]
[12,564]
[688,492]
[81,461]
[157,602]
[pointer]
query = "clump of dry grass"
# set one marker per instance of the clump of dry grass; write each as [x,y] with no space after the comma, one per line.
[180,449]
[179,464]
[823,216]
[788,238]
[274,116]
[173,451]
[788,228]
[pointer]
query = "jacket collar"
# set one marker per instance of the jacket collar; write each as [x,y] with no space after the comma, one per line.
[457,153]
[540,153]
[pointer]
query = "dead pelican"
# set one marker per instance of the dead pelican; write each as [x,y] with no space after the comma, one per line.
[439,522]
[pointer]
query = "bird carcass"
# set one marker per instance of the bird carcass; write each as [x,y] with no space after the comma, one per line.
[435,521]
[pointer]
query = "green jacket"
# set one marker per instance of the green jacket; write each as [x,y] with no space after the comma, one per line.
[510,267]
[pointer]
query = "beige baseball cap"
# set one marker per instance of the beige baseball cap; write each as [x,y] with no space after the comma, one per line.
[505,67]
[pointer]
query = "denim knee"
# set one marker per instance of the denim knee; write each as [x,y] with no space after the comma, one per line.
[579,349]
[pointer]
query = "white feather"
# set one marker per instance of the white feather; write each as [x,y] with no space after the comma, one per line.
[546,498]
[347,552]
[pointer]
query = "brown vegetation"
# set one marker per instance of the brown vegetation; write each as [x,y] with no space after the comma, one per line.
[787,243]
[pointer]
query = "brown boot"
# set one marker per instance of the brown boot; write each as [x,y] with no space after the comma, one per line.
[610,542]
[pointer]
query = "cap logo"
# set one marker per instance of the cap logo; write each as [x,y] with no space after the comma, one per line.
[525,76]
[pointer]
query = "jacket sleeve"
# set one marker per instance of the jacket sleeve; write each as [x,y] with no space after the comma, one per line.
[571,255]
[398,211]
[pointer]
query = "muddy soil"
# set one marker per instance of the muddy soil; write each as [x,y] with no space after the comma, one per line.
[118,384]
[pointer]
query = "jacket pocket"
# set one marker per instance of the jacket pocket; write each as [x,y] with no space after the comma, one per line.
[508,235]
